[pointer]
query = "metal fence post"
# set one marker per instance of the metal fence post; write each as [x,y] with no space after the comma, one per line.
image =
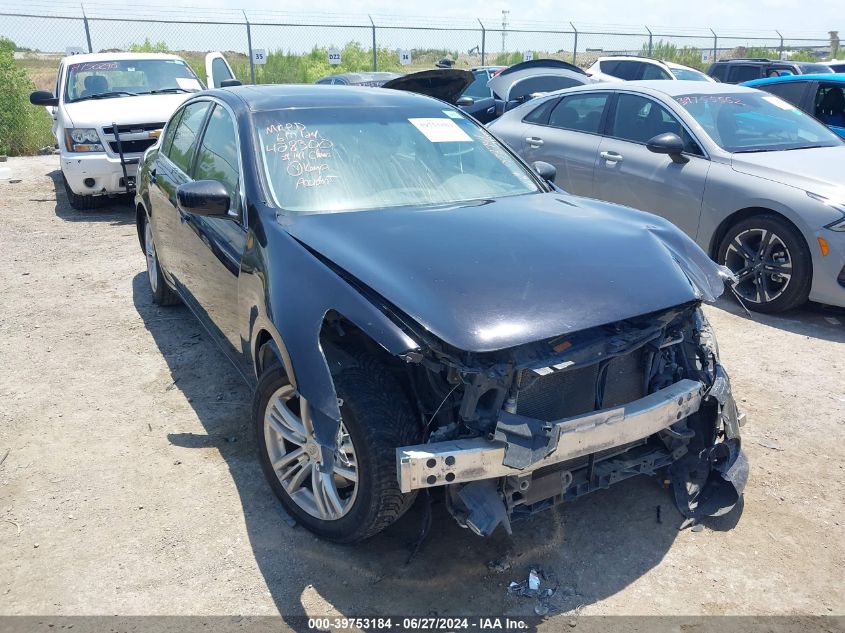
[650,42]
[375,50]
[483,42]
[780,50]
[87,30]
[249,47]
[574,45]
[715,45]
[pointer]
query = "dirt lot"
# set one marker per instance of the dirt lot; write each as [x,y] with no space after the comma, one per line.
[129,485]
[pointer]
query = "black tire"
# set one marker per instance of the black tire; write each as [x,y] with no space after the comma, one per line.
[379,419]
[80,203]
[163,294]
[792,294]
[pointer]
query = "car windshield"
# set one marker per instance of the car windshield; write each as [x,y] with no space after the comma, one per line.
[104,79]
[756,122]
[688,74]
[342,159]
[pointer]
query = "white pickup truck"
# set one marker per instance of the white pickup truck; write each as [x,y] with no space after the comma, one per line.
[108,108]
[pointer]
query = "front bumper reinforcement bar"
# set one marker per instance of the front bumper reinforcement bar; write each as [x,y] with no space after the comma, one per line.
[471,459]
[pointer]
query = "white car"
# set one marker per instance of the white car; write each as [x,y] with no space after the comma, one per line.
[108,108]
[631,68]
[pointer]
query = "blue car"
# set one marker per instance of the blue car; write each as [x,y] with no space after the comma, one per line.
[822,96]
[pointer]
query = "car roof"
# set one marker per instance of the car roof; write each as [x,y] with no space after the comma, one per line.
[117,57]
[840,78]
[669,88]
[268,97]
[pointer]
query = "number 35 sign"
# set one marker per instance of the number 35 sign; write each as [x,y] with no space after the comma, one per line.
[259,56]
[334,56]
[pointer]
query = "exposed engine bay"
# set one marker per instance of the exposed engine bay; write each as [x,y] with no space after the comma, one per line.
[514,432]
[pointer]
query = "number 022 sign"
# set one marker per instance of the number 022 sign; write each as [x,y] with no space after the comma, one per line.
[334,56]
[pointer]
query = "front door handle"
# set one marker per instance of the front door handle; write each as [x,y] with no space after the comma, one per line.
[534,141]
[612,157]
[153,176]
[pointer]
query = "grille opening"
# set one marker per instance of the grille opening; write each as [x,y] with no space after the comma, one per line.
[567,393]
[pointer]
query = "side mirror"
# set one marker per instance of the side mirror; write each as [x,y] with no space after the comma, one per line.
[669,144]
[204,197]
[43,98]
[545,170]
[465,101]
[230,83]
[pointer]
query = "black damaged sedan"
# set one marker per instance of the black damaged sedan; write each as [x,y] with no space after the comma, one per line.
[418,309]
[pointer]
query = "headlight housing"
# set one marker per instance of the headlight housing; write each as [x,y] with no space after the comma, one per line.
[837,225]
[83,139]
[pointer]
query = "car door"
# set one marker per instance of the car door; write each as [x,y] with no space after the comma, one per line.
[477,100]
[214,246]
[628,173]
[569,139]
[171,169]
[217,70]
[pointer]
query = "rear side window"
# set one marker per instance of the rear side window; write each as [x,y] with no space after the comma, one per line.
[791,91]
[581,113]
[540,114]
[743,72]
[718,71]
[629,70]
[611,67]
[184,143]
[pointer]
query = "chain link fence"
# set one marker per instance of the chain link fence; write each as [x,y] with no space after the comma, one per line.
[302,47]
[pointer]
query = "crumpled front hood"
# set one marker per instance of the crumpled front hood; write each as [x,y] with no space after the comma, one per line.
[503,273]
[819,170]
[124,110]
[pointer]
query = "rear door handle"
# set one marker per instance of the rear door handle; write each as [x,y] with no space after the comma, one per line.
[534,141]
[612,156]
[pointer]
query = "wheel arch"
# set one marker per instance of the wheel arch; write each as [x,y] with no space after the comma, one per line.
[140,222]
[739,216]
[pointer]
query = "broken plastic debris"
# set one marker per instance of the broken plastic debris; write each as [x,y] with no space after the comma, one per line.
[498,566]
[533,580]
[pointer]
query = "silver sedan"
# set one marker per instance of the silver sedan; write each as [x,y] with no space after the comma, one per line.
[756,182]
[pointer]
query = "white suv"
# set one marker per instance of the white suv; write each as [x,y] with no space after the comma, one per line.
[109,108]
[628,67]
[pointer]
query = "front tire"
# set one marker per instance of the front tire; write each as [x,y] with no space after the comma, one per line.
[771,260]
[361,497]
[79,202]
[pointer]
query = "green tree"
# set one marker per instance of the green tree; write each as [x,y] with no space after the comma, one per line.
[24,128]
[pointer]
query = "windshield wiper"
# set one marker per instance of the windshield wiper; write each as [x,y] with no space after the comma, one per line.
[163,91]
[107,95]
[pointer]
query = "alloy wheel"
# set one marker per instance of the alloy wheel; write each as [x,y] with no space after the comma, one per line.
[150,252]
[295,457]
[762,264]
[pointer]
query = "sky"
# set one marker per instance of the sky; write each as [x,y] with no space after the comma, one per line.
[749,19]
[747,15]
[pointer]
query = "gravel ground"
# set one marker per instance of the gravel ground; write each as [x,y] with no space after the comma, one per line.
[129,485]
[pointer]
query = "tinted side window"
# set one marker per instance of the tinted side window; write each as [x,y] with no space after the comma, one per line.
[540,114]
[792,91]
[638,119]
[579,112]
[630,71]
[184,143]
[830,104]
[717,71]
[743,72]
[218,154]
[478,89]
[167,140]
[611,67]
[219,71]
[653,71]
